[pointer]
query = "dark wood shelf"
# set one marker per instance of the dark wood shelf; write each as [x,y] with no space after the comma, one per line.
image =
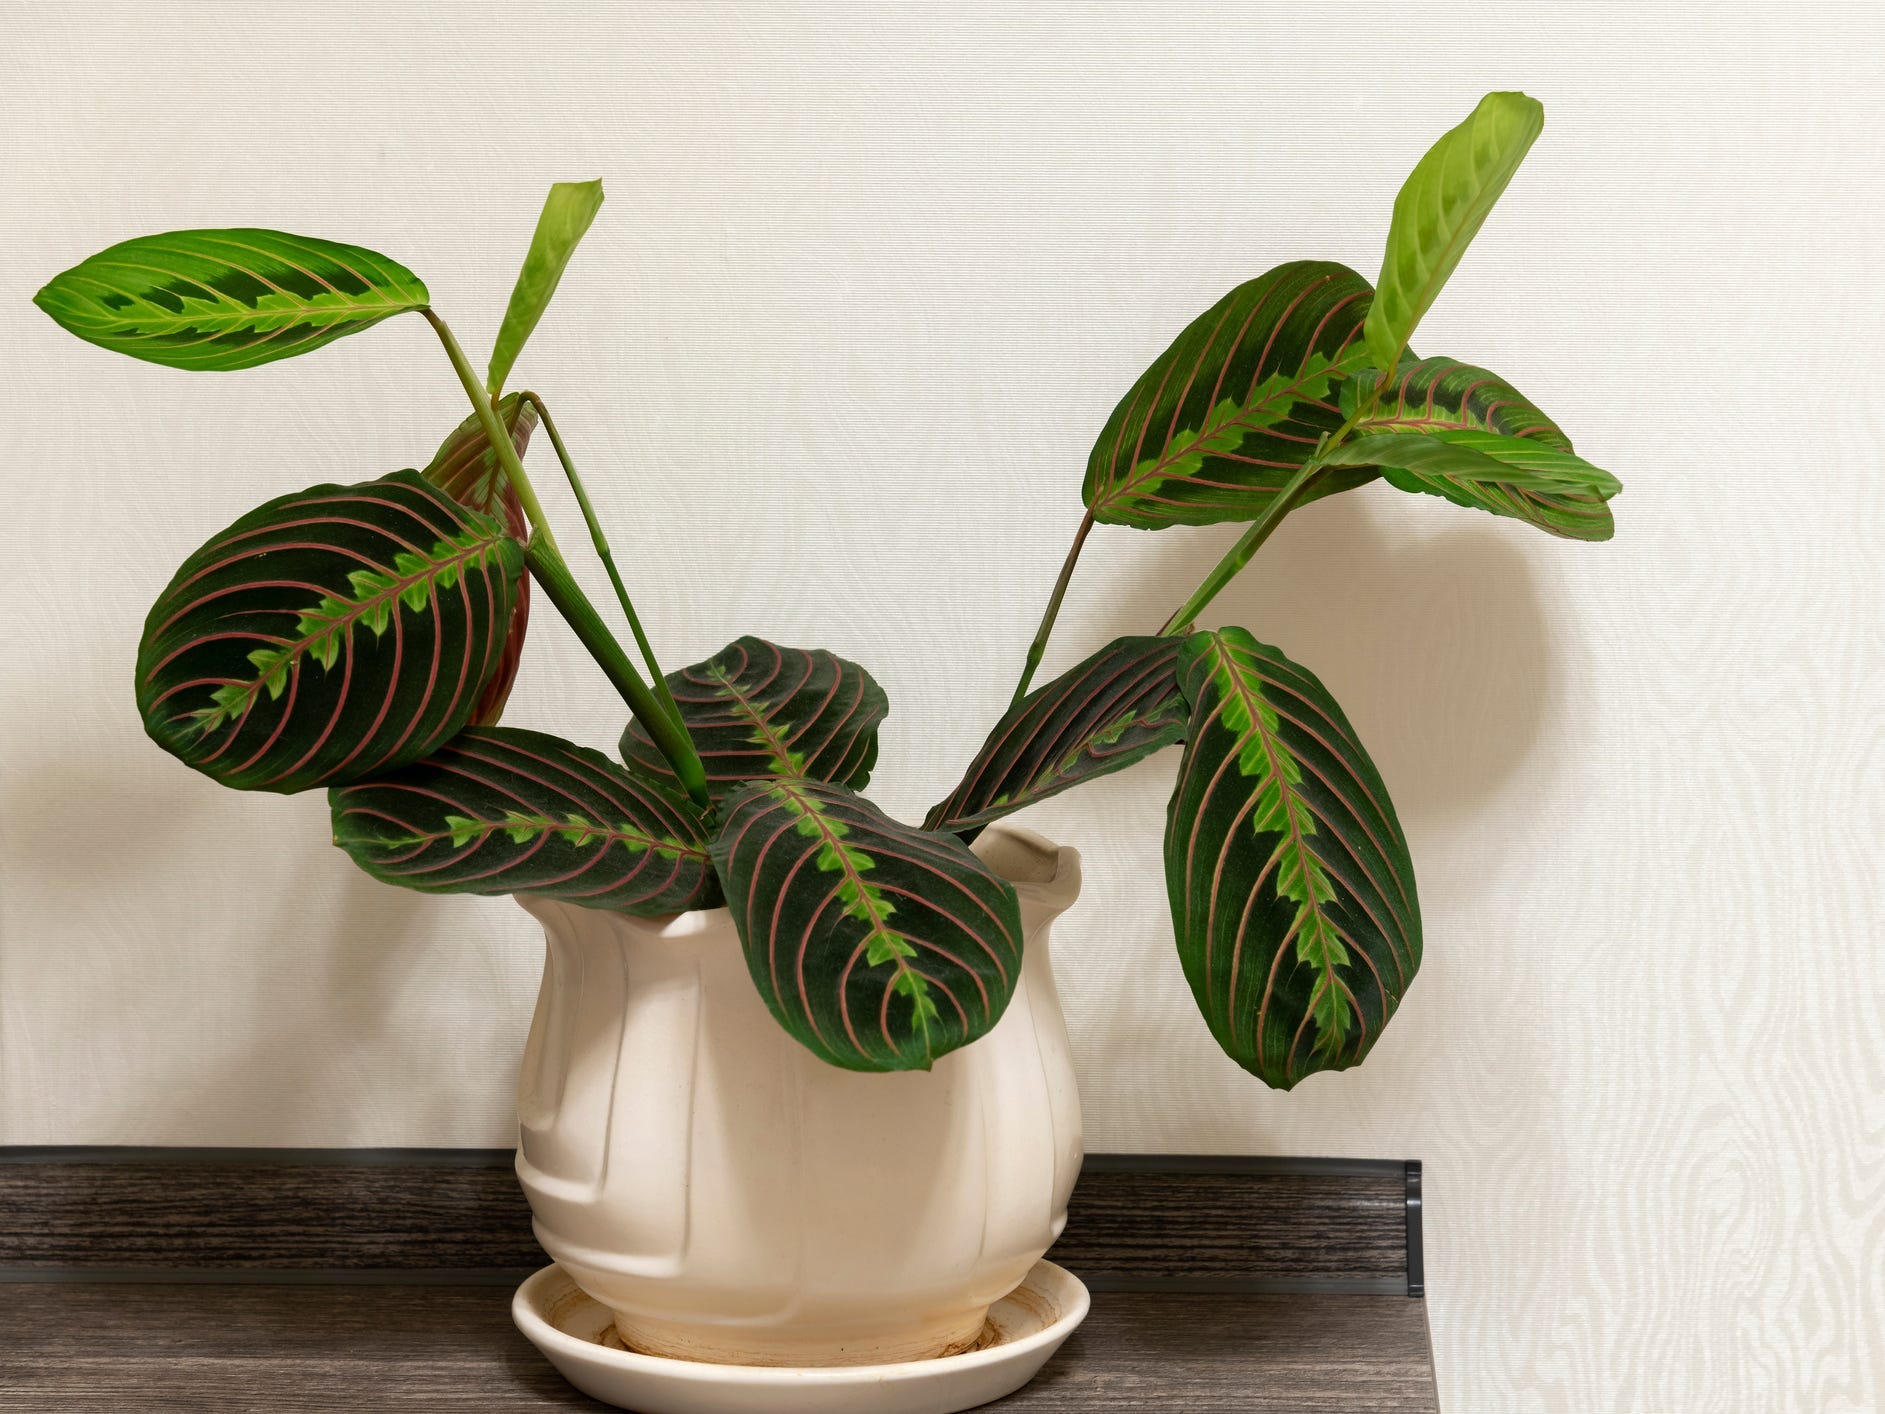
[116,1346]
[221,1280]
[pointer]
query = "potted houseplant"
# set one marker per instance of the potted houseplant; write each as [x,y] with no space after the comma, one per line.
[857,1183]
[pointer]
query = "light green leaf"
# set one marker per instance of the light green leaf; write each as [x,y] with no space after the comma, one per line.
[1441,207]
[1429,431]
[225,299]
[567,212]
[1431,461]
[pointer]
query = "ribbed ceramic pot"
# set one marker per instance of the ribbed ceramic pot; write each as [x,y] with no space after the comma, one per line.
[732,1198]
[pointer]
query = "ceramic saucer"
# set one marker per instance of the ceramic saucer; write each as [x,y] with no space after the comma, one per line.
[1024,1328]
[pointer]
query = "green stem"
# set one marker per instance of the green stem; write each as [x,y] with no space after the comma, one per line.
[1038,648]
[668,734]
[501,444]
[607,556]
[1252,540]
[546,563]
[1239,554]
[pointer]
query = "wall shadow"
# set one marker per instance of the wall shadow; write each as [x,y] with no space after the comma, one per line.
[1435,645]
[1426,623]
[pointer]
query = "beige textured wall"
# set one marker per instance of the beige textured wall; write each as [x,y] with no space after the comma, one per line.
[867,284]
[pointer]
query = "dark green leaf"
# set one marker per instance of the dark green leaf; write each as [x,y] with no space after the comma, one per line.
[877,945]
[567,212]
[756,710]
[329,635]
[1291,888]
[501,811]
[1226,415]
[1117,707]
[220,300]
[1439,210]
[466,469]
[1467,410]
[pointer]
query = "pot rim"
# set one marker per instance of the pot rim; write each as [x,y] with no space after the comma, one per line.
[1057,891]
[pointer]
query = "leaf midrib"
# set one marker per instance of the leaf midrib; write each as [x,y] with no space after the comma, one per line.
[544,824]
[775,744]
[1228,661]
[358,608]
[1142,474]
[811,809]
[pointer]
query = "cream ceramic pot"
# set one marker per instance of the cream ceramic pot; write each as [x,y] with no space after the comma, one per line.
[732,1198]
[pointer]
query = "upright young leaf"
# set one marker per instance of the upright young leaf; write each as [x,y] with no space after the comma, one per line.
[1119,706]
[502,811]
[1528,473]
[757,711]
[1439,210]
[567,212]
[328,635]
[1226,415]
[879,946]
[467,469]
[226,299]
[1291,888]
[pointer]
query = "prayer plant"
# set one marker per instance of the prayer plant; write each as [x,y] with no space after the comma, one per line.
[362,639]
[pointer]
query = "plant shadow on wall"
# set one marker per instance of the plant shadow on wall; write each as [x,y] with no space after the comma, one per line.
[361,640]
[1435,642]
[1435,639]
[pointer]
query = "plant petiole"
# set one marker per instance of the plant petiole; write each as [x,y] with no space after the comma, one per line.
[1285,501]
[1038,648]
[546,563]
[548,567]
[607,557]
[501,445]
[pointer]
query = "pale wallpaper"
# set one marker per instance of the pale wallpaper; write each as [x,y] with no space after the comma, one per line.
[868,281]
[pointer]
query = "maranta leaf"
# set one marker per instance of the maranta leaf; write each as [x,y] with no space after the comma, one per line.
[1438,211]
[331,634]
[1454,405]
[226,299]
[1226,415]
[877,945]
[567,212]
[1292,891]
[502,811]
[1119,706]
[756,710]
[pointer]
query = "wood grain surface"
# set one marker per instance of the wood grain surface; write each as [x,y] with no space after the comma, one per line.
[103,1349]
[1135,1221]
[406,1212]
